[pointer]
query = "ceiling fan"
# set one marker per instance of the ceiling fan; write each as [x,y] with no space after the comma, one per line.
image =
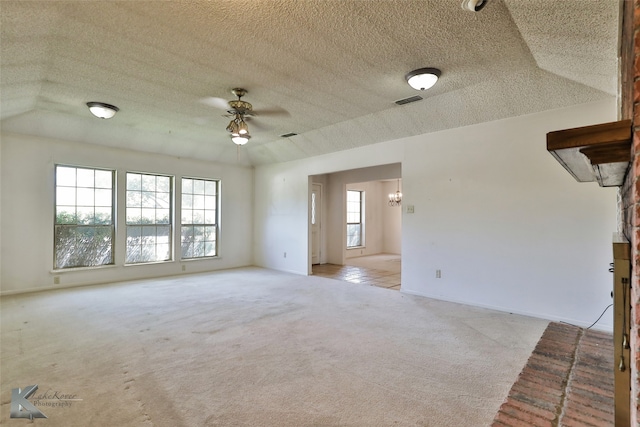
[240,111]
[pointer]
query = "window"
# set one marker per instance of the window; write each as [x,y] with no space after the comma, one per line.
[84,226]
[199,225]
[354,218]
[148,213]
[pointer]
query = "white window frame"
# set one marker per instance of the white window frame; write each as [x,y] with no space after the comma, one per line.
[95,219]
[148,218]
[360,219]
[199,218]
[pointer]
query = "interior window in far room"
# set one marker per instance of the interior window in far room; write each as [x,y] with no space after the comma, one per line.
[354,218]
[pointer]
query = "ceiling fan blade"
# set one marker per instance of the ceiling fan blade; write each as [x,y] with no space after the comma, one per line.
[275,111]
[257,124]
[213,101]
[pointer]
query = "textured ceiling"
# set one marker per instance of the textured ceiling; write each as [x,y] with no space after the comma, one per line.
[331,70]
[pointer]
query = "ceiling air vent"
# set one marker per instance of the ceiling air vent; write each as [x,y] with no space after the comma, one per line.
[409,100]
[288,135]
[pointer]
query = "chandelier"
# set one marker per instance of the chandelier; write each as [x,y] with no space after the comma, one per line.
[395,199]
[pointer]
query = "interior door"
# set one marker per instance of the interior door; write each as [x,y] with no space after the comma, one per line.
[316,209]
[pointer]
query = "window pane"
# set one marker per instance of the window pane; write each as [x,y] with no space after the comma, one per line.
[187,201]
[148,183]
[66,215]
[134,236]
[353,235]
[163,200]
[198,216]
[148,216]
[85,178]
[187,186]
[198,234]
[134,216]
[210,202]
[134,181]
[198,202]
[162,216]
[163,184]
[210,188]
[210,216]
[102,215]
[85,214]
[187,216]
[209,249]
[104,179]
[148,199]
[66,196]
[163,234]
[198,186]
[65,176]
[103,197]
[210,233]
[83,246]
[134,199]
[85,197]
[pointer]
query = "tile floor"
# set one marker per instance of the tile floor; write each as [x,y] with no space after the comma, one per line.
[363,275]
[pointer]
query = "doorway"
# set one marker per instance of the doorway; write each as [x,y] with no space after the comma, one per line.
[316,223]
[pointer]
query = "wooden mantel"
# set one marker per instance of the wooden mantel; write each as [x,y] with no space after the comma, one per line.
[594,153]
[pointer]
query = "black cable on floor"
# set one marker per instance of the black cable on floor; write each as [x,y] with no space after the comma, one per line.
[597,320]
[605,310]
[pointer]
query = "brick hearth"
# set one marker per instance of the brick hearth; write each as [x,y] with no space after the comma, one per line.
[567,381]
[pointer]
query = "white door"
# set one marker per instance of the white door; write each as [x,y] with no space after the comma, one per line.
[316,209]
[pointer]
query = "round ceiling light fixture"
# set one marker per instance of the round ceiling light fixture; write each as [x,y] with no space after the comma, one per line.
[240,139]
[474,5]
[423,78]
[102,110]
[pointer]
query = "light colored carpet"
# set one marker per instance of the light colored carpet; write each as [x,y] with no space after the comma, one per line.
[254,347]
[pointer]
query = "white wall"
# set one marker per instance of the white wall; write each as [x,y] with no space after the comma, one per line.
[27,179]
[392,221]
[508,227]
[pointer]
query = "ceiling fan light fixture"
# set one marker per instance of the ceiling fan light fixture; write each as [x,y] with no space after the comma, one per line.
[233,127]
[102,110]
[423,78]
[242,127]
[240,139]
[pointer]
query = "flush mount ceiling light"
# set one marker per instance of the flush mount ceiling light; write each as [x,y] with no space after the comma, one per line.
[474,5]
[102,110]
[423,78]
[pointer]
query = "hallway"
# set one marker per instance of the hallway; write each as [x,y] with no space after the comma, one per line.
[382,270]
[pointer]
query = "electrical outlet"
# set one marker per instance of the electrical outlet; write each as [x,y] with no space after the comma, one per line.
[410,209]
[438,274]
[184,267]
[285,254]
[56,280]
